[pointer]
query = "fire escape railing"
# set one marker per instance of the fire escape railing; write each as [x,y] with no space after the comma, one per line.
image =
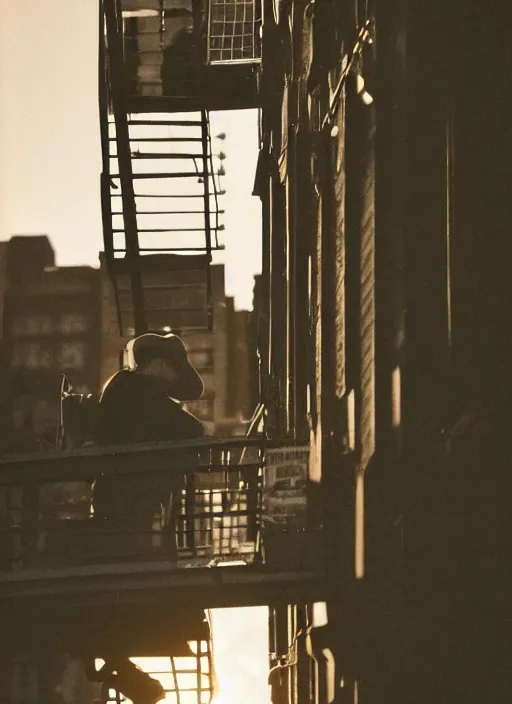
[233,31]
[52,513]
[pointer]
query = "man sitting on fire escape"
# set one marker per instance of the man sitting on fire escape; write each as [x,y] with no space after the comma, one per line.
[144,405]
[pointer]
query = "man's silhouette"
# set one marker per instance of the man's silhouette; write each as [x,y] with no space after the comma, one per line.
[143,405]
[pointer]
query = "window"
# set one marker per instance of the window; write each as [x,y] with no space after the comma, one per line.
[81,389]
[20,411]
[13,506]
[44,416]
[186,680]
[72,355]
[72,323]
[31,359]
[30,355]
[17,356]
[202,409]
[209,383]
[23,682]
[28,326]
[201,359]
[233,31]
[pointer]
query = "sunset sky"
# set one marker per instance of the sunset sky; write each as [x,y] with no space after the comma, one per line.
[49,142]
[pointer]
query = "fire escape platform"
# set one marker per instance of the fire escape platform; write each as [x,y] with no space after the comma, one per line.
[139,583]
[232,87]
[220,544]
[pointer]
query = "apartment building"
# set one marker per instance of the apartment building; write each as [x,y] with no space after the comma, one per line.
[51,326]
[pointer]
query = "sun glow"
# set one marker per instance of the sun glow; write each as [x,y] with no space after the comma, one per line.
[240,655]
[240,663]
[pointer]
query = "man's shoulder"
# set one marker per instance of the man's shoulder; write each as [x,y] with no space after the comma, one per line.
[124,382]
[190,426]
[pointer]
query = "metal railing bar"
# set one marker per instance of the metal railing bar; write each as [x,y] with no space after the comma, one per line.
[169,123]
[164,155]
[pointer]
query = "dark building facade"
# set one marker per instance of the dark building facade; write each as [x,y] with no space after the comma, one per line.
[384,174]
[239,380]
[51,325]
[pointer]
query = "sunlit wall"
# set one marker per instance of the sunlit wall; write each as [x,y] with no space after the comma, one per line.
[240,660]
[241,648]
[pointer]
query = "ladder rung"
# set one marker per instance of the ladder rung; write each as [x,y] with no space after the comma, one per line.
[177,174]
[160,139]
[166,195]
[213,248]
[161,155]
[176,123]
[118,230]
[170,212]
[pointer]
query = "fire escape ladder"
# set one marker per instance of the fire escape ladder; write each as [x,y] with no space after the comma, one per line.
[113,26]
[160,194]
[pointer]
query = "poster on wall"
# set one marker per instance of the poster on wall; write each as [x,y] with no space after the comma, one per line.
[284,490]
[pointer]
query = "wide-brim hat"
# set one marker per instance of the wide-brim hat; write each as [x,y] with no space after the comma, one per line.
[189,385]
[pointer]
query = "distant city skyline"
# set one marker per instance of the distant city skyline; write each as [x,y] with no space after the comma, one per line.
[50,159]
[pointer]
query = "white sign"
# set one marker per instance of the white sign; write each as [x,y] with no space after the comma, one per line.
[284,493]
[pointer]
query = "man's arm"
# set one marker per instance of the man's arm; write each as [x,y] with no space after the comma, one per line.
[192,427]
[170,420]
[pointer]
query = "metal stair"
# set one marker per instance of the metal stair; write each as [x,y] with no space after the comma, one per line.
[160,195]
[170,160]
